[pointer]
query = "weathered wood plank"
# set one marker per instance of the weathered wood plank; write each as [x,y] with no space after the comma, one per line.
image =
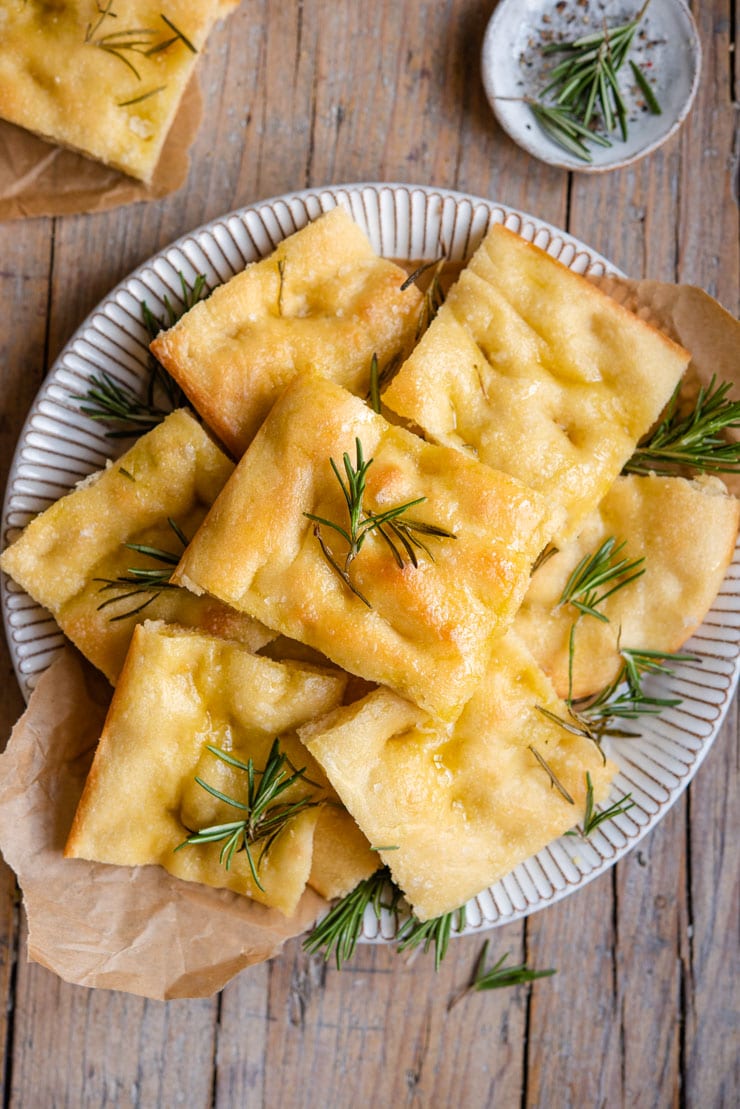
[709,256]
[25,256]
[574,1055]
[380,1028]
[79,1047]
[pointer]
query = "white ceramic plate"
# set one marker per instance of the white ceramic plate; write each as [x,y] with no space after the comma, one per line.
[58,446]
[666,47]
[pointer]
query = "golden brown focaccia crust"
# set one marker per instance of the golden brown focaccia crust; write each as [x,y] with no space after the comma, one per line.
[178,692]
[65,556]
[461,805]
[536,372]
[685,530]
[426,630]
[104,79]
[324,301]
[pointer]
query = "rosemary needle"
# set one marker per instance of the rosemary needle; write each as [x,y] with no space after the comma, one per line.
[645,89]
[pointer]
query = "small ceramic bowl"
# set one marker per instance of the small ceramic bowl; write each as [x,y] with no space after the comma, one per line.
[666,48]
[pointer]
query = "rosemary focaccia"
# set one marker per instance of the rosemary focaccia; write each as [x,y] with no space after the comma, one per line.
[413,603]
[684,530]
[103,78]
[323,301]
[453,809]
[76,558]
[533,370]
[180,694]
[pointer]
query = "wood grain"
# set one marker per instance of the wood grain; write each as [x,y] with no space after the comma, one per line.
[641,1012]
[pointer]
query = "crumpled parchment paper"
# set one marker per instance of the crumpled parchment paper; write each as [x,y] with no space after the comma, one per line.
[134,929]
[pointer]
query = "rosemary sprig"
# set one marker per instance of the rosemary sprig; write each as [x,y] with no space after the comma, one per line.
[594,572]
[402,535]
[265,814]
[593,818]
[625,697]
[694,441]
[146,582]
[586,81]
[499,976]
[434,932]
[337,934]
[111,402]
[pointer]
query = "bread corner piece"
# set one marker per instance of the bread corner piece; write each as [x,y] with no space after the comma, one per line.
[533,370]
[68,556]
[458,808]
[424,630]
[684,530]
[323,301]
[104,79]
[180,691]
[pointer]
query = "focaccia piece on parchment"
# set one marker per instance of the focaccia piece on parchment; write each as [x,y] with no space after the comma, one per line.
[323,301]
[104,79]
[178,692]
[459,807]
[536,372]
[65,557]
[425,630]
[686,532]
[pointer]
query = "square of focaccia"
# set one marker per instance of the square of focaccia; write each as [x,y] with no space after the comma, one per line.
[424,630]
[65,557]
[685,531]
[104,79]
[324,301]
[460,806]
[536,372]
[180,691]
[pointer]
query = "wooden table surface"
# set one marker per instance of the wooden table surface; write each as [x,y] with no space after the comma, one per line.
[641,1010]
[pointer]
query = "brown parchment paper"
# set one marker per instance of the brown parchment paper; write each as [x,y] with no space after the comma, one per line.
[38,178]
[135,929]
